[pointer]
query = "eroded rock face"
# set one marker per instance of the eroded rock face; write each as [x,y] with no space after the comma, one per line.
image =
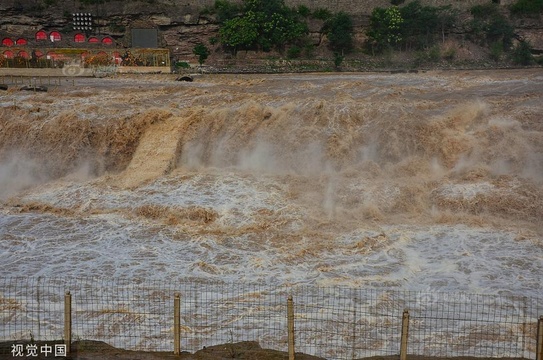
[181,24]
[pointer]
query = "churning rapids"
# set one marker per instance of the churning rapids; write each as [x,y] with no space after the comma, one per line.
[428,181]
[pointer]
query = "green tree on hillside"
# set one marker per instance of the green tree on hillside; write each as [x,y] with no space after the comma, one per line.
[262,25]
[202,52]
[239,32]
[385,28]
[339,29]
[489,26]
[423,25]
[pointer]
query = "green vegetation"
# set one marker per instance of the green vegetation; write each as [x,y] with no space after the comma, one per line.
[425,25]
[338,59]
[92,2]
[303,11]
[339,29]
[262,25]
[226,10]
[202,52]
[321,14]
[527,7]
[181,65]
[522,54]
[385,28]
[496,51]
[266,25]
[422,30]
[449,54]
[294,52]
[412,27]
[489,26]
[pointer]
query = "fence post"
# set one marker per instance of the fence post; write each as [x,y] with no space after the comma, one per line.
[539,354]
[290,322]
[177,324]
[353,350]
[68,321]
[405,331]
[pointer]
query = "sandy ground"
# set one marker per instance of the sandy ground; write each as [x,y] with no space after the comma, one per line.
[93,350]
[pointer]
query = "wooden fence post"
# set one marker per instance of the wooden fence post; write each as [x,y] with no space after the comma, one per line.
[290,322]
[353,345]
[68,321]
[405,332]
[539,354]
[177,324]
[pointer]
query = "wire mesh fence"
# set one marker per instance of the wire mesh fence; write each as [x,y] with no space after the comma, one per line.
[331,322]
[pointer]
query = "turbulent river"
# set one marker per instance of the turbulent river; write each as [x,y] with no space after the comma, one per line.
[428,181]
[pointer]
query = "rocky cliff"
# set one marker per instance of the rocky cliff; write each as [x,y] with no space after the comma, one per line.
[183,23]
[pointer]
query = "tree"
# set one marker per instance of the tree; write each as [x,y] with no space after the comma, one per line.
[420,26]
[202,52]
[262,25]
[339,30]
[489,26]
[385,28]
[239,32]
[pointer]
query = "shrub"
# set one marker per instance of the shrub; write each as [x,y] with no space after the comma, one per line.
[522,54]
[496,51]
[321,14]
[338,59]
[434,54]
[449,54]
[303,11]
[294,52]
[527,7]
[309,51]
[499,29]
[182,65]
[484,10]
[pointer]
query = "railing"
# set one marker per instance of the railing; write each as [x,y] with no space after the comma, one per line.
[331,322]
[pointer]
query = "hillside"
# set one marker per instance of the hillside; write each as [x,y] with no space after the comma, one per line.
[181,25]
